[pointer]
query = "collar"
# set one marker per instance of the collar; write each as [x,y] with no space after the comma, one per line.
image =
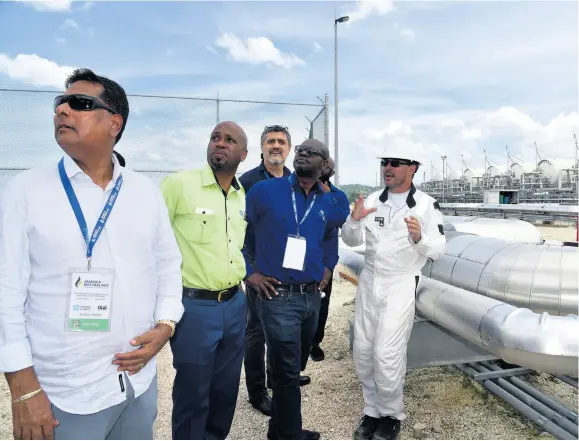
[263,170]
[332,187]
[293,180]
[409,199]
[72,169]
[208,178]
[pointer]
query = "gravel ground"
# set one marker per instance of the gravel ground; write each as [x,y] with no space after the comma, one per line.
[441,403]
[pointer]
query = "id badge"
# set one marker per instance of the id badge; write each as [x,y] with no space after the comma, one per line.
[295,253]
[89,300]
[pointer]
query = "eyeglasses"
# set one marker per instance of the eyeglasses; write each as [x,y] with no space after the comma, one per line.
[81,102]
[308,151]
[395,162]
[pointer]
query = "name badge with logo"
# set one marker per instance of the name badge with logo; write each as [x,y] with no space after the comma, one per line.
[89,304]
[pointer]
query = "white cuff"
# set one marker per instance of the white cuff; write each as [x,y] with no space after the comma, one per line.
[352,223]
[15,356]
[169,309]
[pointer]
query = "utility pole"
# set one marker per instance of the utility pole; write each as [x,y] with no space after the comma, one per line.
[336,169]
[443,176]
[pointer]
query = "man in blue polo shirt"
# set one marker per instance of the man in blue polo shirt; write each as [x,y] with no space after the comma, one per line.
[288,220]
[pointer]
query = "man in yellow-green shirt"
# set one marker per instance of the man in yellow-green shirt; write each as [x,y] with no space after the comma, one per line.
[207,212]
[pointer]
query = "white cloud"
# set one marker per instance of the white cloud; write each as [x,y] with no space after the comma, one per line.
[318,47]
[405,33]
[34,70]
[257,50]
[60,40]
[365,8]
[50,5]
[69,23]
[212,50]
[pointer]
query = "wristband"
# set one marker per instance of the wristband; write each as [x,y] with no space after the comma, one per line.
[27,396]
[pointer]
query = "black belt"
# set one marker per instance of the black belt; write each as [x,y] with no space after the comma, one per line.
[304,288]
[204,294]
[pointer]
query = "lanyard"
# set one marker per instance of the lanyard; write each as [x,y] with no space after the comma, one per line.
[102,220]
[296,210]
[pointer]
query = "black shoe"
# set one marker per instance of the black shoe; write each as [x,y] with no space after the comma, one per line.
[263,404]
[388,428]
[366,428]
[317,353]
[305,379]
[310,434]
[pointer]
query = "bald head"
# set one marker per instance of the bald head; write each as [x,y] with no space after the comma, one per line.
[319,146]
[227,147]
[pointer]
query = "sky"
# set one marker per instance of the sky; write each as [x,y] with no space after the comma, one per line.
[430,79]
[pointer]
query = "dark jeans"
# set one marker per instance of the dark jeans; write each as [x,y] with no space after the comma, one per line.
[289,321]
[254,360]
[323,314]
[207,355]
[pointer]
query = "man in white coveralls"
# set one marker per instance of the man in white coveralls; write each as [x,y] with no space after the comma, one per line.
[403,228]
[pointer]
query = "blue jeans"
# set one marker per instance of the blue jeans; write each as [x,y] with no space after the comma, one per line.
[289,322]
[207,355]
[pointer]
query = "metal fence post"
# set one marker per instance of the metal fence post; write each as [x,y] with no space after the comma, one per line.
[326,122]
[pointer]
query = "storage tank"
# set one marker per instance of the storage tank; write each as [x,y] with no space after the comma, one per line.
[492,171]
[517,170]
[549,171]
[468,174]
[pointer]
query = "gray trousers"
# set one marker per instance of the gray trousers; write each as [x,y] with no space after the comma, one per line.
[131,419]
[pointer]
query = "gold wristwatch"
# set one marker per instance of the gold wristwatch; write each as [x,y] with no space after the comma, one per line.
[169,323]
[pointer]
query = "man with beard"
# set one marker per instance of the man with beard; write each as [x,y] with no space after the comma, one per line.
[207,212]
[404,231]
[275,148]
[288,220]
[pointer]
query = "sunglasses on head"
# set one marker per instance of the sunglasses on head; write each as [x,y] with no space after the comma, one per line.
[275,128]
[81,102]
[395,162]
[308,151]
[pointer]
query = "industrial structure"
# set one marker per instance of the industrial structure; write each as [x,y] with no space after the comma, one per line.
[545,184]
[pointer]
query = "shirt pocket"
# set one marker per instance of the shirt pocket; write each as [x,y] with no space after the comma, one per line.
[200,226]
[238,228]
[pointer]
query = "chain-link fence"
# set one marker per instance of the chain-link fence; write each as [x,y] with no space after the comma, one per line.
[163,134]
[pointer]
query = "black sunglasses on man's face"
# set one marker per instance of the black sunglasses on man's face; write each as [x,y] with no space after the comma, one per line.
[308,151]
[81,102]
[395,162]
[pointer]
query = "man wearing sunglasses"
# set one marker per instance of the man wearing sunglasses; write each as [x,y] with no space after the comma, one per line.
[288,220]
[403,228]
[90,281]
[275,148]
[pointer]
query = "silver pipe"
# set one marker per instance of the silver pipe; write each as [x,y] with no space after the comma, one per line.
[532,402]
[541,278]
[537,394]
[531,414]
[507,229]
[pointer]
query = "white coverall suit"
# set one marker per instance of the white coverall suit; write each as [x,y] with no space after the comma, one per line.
[386,292]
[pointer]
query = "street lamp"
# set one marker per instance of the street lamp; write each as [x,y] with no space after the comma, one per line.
[336,21]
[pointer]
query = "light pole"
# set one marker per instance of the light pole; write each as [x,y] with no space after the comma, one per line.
[336,21]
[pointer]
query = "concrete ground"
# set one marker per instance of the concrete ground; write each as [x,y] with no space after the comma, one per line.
[441,403]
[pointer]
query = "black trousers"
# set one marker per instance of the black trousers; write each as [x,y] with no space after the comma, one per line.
[323,318]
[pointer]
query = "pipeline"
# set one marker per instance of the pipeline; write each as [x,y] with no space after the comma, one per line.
[541,342]
[526,410]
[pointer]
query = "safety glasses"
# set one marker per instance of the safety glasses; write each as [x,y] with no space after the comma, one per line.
[395,162]
[275,128]
[308,151]
[81,102]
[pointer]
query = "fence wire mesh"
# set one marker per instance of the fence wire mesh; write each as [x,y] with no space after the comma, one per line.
[163,134]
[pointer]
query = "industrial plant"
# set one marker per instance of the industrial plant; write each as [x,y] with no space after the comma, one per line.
[544,184]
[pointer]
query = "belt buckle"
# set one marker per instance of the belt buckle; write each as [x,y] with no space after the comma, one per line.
[224,291]
[302,286]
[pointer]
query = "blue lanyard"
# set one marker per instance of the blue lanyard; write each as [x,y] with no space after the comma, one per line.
[296,209]
[102,220]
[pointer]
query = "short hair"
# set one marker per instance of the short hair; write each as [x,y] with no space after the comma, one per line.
[113,95]
[275,128]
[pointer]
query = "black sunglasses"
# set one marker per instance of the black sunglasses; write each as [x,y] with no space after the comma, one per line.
[81,102]
[308,151]
[395,162]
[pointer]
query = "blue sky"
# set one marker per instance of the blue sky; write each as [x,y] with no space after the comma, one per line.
[432,78]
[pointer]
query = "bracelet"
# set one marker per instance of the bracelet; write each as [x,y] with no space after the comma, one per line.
[169,323]
[27,396]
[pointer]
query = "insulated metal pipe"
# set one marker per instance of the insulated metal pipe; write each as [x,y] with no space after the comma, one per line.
[568,380]
[537,394]
[531,414]
[533,403]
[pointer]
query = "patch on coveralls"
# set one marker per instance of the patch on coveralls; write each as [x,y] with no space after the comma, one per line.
[436,206]
[441,229]
[380,221]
